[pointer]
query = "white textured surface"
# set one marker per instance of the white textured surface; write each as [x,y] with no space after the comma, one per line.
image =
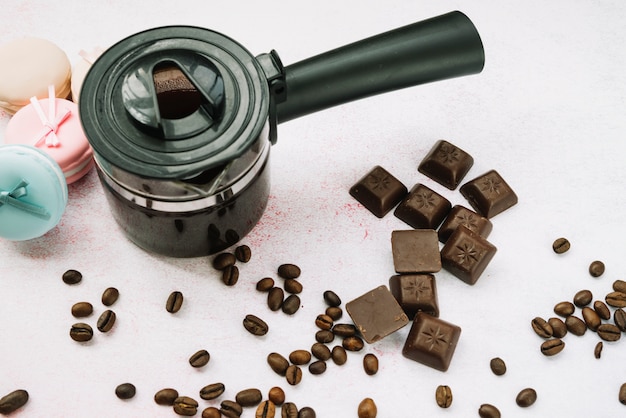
[547,113]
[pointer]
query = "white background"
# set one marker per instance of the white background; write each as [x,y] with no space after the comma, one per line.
[547,113]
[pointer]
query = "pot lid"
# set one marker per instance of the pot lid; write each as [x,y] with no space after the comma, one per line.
[173,102]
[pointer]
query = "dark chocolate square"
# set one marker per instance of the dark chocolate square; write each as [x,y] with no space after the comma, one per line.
[466,254]
[423,208]
[415,293]
[376,314]
[378,191]
[460,215]
[446,163]
[489,194]
[415,251]
[431,341]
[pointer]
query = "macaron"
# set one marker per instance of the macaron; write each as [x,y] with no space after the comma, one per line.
[33,192]
[81,68]
[53,126]
[28,67]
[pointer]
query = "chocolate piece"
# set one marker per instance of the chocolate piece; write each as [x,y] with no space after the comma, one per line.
[423,208]
[460,215]
[415,251]
[378,191]
[446,163]
[376,314]
[415,293]
[466,254]
[431,341]
[489,194]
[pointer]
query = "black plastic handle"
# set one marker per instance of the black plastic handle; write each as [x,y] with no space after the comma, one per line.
[439,48]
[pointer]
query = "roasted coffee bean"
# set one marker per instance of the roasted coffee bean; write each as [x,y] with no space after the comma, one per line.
[174,302]
[110,296]
[211,412]
[255,325]
[324,322]
[583,298]
[230,275]
[291,304]
[597,351]
[559,329]
[344,330]
[82,309]
[591,318]
[552,347]
[293,374]
[13,401]
[249,397]
[339,355]
[276,395]
[616,299]
[275,298]
[596,268]
[622,394]
[317,367]
[541,327]
[367,409]
[293,286]
[223,260]
[331,298]
[265,284]
[306,412]
[324,336]
[243,253]
[166,396]
[125,391]
[564,309]
[609,332]
[231,409]
[81,332]
[370,364]
[575,325]
[289,271]
[106,321]
[334,312]
[488,411]
[320,351]
[526,397]
[560,245]
[602,310]
[278,363]
[185,406]
[72,277]
[497,366]
[619,286]
[266,409]
[619,318]
[300,357]
[199,359]
[443,396]
[353,343]
[212,391]
[289,410]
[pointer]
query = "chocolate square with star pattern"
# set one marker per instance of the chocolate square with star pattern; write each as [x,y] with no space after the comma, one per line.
[415,293]
[378,191]
[460,215]
[489,194]
[446,163]
[431,341]
[423,208]
[466,254]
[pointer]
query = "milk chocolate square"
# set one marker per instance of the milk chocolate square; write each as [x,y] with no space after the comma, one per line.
[378,191]
[415,251]
[423,208]
[446,163]
[415,293]
[460,215]
[489,194]
[466,254]
[431,341]
[376,314]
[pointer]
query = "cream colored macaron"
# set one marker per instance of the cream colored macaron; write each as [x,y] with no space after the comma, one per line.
[81,68]
[29,66]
